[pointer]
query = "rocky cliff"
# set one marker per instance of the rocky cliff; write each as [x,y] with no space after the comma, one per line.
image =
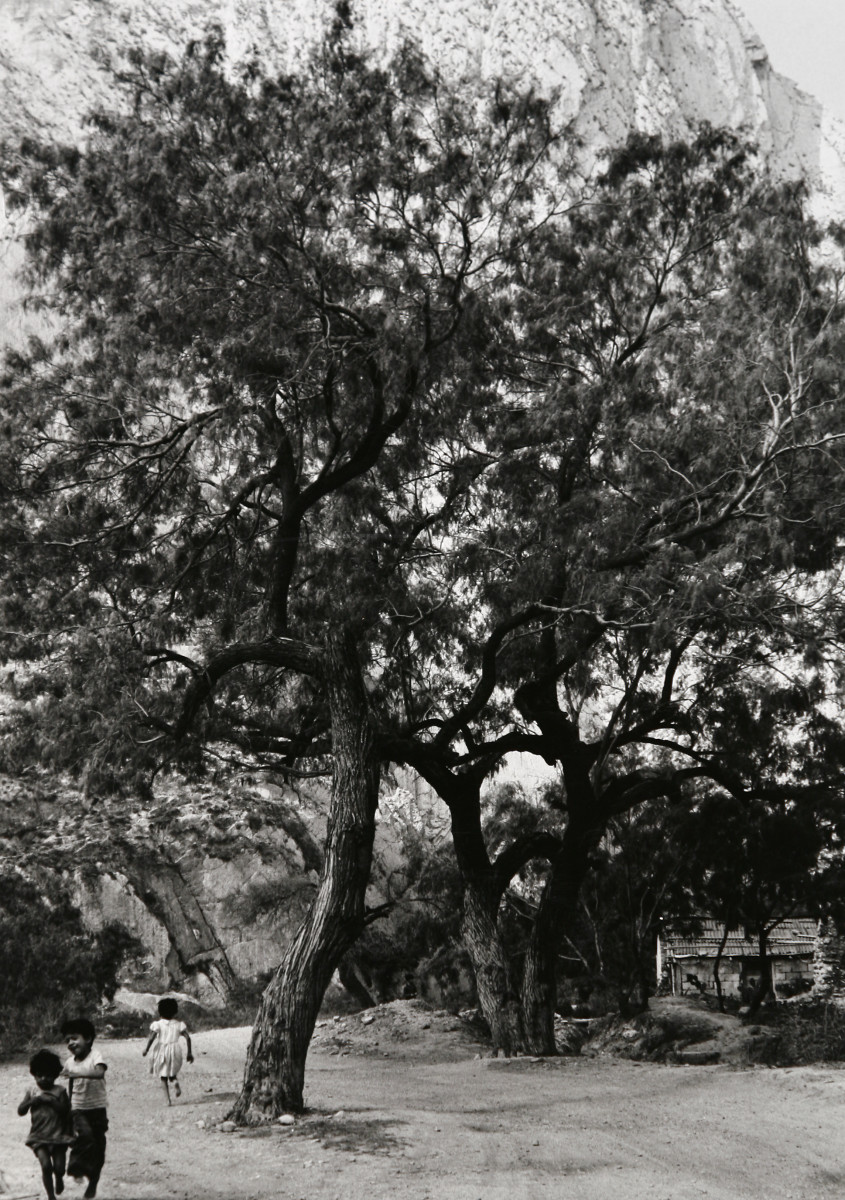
[213,877]
[652,65]
[617,64]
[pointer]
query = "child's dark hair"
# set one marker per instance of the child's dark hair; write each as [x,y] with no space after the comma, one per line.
[80,1025]
[45,1065]
[168,1008]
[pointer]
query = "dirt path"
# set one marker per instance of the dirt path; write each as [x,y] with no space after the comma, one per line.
[398,1127]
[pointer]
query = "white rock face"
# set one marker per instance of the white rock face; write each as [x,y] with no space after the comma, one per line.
[651,65]
[619,64]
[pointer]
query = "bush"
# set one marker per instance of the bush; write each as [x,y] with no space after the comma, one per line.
[53,967]
[810,1033]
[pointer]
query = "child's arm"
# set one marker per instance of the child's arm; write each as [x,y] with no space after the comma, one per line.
[187,1037]
[150,1041]
[95,1071]
[26,1103]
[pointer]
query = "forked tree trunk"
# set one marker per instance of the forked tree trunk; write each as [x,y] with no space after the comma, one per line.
[275,1065]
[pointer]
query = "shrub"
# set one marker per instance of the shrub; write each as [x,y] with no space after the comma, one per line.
[810,1033]
[53,966]
[417,936]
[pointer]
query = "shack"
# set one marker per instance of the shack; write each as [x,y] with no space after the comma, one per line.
[685,960]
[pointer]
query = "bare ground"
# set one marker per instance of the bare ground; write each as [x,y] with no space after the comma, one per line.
[400,1108]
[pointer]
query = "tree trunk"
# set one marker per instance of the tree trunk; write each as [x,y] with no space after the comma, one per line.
[765,984]
[483,887]
[716,965]
[194,944]
[498,996]
[275,1065]
[586,823]
[555,917]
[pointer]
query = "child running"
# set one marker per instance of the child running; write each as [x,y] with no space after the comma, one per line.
[50,1131]
[167,1056]
[86,1071]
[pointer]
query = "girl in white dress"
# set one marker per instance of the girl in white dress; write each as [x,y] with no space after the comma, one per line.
[167,1056]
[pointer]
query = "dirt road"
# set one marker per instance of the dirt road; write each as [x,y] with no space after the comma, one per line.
[398,1127]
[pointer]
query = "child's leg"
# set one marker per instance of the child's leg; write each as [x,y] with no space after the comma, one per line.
[88,1151]
[175,1083]
[58,1154]
[166,1088]
[99,1126]
[42,1153]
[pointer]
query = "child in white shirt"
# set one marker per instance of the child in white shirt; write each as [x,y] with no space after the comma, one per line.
[167,1056]
[85,1071]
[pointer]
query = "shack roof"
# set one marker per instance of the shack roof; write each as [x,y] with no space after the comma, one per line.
[793,938]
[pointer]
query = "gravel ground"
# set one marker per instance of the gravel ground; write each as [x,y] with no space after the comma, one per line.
[400,1107]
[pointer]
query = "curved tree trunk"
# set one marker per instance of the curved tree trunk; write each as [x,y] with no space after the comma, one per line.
[275,1065]
[483,887]
[498,995]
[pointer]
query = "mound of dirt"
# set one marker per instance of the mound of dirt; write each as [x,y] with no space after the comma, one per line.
[403,1029]
[680,1030]
[673,1030]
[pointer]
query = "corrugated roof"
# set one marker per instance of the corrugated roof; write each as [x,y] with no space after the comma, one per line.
[793,937]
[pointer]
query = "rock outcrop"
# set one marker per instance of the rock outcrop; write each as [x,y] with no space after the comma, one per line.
[212,877]
[212,880]
[617,64]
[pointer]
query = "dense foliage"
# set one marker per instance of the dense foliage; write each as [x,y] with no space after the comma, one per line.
[53,968]
[267,289]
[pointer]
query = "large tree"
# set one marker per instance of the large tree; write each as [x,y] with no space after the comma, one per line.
[271,303]
[352,443]
[656,529]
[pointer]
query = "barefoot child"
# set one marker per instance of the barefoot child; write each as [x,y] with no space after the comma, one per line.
[50,1127]
[86,1070]
[167,1056]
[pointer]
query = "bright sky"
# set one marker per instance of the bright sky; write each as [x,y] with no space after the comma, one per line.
[806,42]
